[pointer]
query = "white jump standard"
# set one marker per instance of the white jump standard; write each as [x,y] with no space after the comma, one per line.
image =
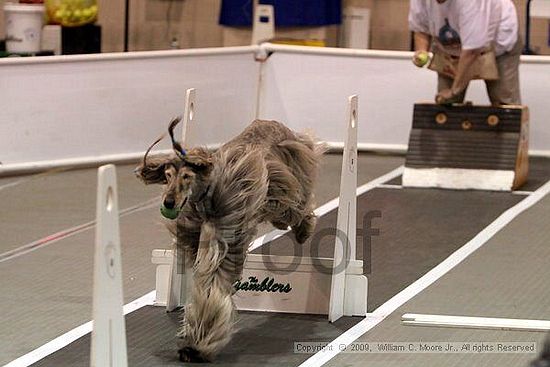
[109,331]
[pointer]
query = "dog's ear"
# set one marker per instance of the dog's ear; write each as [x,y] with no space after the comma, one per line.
[152,171]
[199,160]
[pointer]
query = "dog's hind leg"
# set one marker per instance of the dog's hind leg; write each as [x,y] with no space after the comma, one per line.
[305,229]
[301,158]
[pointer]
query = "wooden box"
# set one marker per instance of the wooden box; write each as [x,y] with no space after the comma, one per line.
[468,147]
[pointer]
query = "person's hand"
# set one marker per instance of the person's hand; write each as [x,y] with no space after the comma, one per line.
[445,96]
[420,58]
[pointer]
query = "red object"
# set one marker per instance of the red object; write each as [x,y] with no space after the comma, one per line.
[31,1]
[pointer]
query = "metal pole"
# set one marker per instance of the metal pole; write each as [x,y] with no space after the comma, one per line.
[126,24]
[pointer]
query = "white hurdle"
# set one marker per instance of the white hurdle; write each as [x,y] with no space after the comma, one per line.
[109,331]
[345,243]
[293,284]
[180,277]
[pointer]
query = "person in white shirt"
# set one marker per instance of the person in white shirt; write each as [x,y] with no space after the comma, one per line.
[469,32]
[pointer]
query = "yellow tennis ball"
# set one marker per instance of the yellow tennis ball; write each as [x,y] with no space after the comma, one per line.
[423,58]
[59,13]
[87,13]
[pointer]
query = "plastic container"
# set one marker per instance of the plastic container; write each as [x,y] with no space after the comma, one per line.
[71,13]
[24,24]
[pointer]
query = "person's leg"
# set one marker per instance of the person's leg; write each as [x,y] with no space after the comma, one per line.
[444,82]
[505,90]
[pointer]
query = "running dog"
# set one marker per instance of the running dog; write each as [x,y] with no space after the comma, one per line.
[216,200]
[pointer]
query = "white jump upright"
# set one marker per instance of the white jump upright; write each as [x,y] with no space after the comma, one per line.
[109,331]
[263,28]
[188,115]
[180,280]
[300,284]
[345,242]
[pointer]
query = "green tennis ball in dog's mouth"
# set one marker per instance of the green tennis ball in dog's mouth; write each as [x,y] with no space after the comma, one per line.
[169,213]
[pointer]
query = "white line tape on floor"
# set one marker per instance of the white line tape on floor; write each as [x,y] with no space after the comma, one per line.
[12,184]
[389,186]
[74,334]
[29,247]
[29,179]
[433,275]
[519,192]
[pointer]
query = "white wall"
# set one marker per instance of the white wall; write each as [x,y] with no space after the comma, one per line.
[540,9]
[89,108]
[309,89]
[86,107]
[535,93]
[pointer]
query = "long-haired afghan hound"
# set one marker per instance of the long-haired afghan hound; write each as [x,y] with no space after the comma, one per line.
[217,199]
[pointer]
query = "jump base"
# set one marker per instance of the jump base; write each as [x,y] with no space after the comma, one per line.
[285,284]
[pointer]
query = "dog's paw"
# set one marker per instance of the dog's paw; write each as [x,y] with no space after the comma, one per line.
[191,355]
[303,231]
[280,225]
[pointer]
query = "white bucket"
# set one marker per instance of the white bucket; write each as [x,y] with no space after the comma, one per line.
[23,27]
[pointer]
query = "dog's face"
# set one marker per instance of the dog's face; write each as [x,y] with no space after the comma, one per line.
[185,178]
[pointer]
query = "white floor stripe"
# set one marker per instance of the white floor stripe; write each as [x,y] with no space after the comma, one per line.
[389,186]
[433,275]
[331,205]
[33,177]
[74,334]
[12,184]
[519,192]
[50,239]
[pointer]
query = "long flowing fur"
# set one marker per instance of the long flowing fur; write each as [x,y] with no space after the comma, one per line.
[266,173]
[229,211]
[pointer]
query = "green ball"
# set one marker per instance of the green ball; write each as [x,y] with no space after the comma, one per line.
[423,58]
[169,213]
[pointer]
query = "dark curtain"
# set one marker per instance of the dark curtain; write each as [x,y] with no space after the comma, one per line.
[235,13]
